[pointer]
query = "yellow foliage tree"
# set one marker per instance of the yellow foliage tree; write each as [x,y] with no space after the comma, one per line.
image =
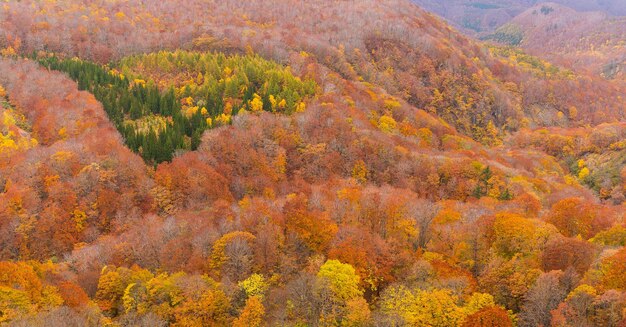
[281,162]
[301,107]
[282,104]
[359,172]
[514,234]
[110,291]
[387,124]
[478,301]
[273,102]
[254,286]
[436,308]
[252,314]
[583,173]
[357,313]
[13,303]
[212,309]
[342,280]
[80,218]
[256,104]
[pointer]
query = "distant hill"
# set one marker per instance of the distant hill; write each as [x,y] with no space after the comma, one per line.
[583,40]
[487,15]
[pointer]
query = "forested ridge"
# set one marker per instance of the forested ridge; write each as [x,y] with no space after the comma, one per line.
[582,40]
[300,163]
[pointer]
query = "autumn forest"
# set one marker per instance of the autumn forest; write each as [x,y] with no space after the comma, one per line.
[312,163]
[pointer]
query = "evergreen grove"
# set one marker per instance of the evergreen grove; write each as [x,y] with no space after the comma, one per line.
[157,121]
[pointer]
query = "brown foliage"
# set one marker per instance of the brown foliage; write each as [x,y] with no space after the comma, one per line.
[561,253]
[488,317]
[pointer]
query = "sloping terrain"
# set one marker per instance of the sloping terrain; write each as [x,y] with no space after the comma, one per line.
[587,41]
[322,163]
[488,15]
[434,68]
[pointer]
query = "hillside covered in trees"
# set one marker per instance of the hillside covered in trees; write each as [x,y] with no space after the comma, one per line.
[300,163]
[484,16]
[584,35]
[585,41]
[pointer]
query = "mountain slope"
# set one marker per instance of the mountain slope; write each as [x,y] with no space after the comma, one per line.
[411,176]
[486,16]
[592,41]
[366,41]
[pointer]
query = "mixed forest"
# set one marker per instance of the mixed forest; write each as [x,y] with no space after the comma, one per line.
[300,163]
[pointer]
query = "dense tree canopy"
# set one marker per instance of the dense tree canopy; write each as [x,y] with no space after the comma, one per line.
[305,163]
